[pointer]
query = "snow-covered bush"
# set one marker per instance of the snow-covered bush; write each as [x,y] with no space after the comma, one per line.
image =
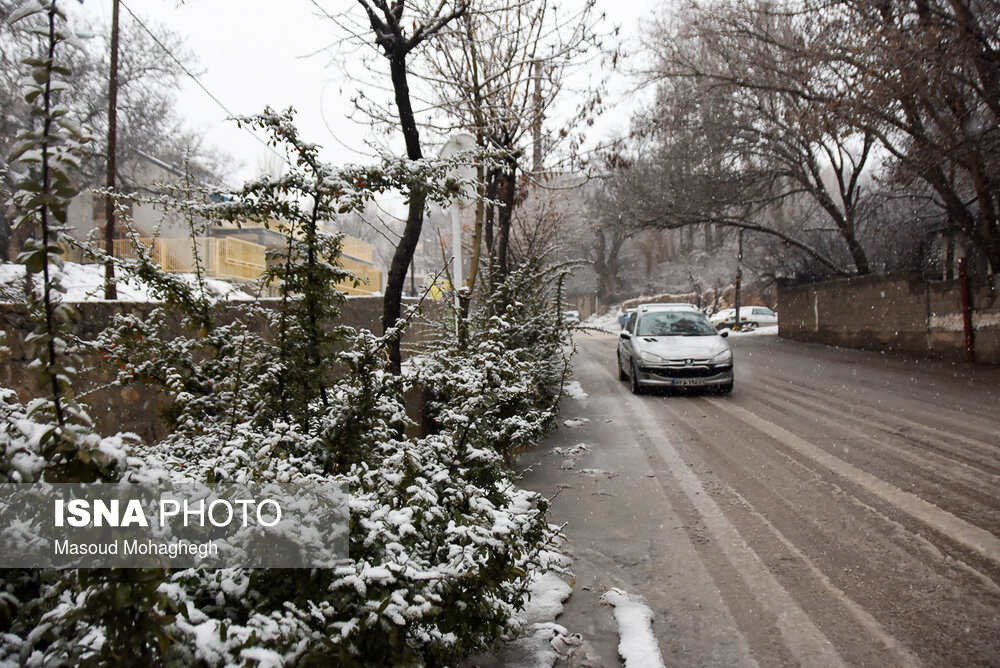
[501,389]
[442,541]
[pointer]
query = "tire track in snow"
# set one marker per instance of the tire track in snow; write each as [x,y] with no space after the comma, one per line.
[913,463]
[695,621]
[933,452]
[801,637]
[862,619]
[862,616]
[957,529]
[957,444]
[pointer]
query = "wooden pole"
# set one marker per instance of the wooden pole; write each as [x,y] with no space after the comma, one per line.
[963,279]
[110,289]
[739,282]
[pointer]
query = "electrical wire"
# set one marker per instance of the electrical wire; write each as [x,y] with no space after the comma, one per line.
[226,109]
[199,83]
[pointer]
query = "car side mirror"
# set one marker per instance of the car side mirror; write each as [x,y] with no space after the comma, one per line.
[724,334]
[625,335]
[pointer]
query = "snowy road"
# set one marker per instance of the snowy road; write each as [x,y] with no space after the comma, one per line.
[840,508]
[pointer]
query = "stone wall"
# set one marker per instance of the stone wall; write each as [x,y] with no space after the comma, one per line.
[900,313]
[137,408]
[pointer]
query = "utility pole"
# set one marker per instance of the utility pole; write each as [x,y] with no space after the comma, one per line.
[536,126]
[739,280]
[110,289]
[966,299]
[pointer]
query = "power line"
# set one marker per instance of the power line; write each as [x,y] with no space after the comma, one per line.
[226,109]
[199,83]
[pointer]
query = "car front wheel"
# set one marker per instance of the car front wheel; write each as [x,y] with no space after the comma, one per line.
[621,371]
[633,380]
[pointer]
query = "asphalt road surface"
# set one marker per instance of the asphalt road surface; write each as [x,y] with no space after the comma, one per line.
[839,508]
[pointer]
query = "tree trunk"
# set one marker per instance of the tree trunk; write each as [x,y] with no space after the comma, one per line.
[407,246]
[505,217]
[6,233]
[606,264]
[491,195]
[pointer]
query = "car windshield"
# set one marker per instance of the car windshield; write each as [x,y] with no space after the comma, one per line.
[675,323]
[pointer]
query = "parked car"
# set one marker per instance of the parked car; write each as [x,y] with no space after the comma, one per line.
[751,317]
[667,345]
[571,318]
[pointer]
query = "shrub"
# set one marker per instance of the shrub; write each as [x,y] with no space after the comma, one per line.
[442,540]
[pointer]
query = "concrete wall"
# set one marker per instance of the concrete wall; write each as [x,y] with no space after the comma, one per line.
[900,313]
[137,408]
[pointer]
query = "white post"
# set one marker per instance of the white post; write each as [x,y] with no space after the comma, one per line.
[456,144]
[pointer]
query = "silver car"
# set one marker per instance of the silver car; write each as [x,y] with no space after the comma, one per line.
[751,317]
[670,346]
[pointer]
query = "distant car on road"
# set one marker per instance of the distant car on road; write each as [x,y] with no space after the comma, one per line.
[571,318]
[751,317]
[671,345]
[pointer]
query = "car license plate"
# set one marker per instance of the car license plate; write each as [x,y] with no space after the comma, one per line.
[684,382]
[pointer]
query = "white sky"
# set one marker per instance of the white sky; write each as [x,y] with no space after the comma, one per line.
[252,53]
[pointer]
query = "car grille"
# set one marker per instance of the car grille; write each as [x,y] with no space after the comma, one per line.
[683,371]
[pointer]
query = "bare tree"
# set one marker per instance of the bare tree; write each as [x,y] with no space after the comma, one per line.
[939,120]
[499,71]
[776,133]
[599,235]
[682,171]
[397,28]
[148,81]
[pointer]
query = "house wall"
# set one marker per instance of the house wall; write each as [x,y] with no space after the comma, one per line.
[900,313]
[86,211]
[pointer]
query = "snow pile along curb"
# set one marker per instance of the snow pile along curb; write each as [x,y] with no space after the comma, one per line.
[543,642]
[637,646]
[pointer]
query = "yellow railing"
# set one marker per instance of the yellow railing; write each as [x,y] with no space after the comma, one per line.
[363,271]
[123,248]
[358,249]
[235,258]
[223,257]
[226,257]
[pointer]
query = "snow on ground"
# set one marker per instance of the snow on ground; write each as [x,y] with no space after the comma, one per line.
[637,645]
[770,330]
[85,283]
[546,594]
[544,642]
[572,455]
[576,422]
[608,321]
[574,390]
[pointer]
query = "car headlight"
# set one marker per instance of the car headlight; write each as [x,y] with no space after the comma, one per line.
[725,357]
[650,357]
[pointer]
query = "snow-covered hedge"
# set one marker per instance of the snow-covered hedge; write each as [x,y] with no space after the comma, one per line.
[442,541]
[441,538]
